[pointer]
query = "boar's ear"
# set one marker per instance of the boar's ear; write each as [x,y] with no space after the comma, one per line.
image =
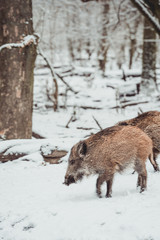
[123,123]
[82,149]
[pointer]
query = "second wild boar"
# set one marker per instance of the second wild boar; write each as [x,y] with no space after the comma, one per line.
[149,122]
[107,152]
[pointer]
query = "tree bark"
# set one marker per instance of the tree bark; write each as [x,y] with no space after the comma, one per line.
[148,82]
[16,69]
[103,45]
[151,12]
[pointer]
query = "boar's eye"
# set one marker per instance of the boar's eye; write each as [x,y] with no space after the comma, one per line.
[72,162]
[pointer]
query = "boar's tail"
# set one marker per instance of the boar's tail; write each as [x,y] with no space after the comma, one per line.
[153,162]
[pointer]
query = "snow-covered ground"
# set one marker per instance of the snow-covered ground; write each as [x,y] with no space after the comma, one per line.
[35,205]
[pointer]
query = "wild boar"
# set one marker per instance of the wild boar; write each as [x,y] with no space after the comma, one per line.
[107,152]
[149,122]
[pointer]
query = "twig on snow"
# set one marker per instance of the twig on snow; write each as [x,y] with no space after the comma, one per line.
[97,123]
[36,135]
[140,111]
[70,120]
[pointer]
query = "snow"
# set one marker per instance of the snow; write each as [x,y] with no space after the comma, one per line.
[26,41]
[36,205]
[34,202]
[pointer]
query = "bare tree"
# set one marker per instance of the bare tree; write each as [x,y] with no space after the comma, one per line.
[103,44]
[151,11]
[149,58]
[17,58]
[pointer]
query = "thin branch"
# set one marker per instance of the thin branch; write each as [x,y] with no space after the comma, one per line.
[37,135]
[70,120]
[84,128]
[54,74]
[29,39]
[129,105]
[140,111]
[118,12]
[55,95]
[97,123]
[69,87]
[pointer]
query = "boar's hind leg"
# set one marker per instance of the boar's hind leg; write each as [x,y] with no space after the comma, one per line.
[100,181]
[109,187]
[142,175]
[139,181]
[142,182]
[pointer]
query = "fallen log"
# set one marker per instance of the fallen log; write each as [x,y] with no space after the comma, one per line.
[10,157]
[83,107]
[129,105]
[13,150]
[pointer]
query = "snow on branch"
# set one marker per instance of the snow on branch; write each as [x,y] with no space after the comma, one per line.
[29,39]
[145,11]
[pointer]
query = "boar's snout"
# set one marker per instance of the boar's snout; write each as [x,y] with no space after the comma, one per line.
[69,179]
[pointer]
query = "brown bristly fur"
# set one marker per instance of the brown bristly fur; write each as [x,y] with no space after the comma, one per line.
[149,122]
[107,152]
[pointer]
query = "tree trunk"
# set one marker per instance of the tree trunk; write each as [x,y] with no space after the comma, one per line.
[16,69]
[133,41]
[151,11]
[103,45]
[149,59]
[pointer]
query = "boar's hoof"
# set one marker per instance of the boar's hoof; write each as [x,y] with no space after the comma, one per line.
[142,189]
[108,195]
[156,169]
[69,180]
[99,194]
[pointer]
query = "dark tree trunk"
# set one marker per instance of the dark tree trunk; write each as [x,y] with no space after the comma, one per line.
[151,11]
[16,69]
[149,58]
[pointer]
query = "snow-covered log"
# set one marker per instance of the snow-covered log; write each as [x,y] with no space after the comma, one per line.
[30,149]
[10,157]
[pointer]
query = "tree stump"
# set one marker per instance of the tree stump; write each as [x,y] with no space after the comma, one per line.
[52,156]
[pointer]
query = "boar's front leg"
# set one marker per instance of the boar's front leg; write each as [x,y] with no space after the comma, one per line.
[139,181]
[142,182]
[109,187]
[100,181]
